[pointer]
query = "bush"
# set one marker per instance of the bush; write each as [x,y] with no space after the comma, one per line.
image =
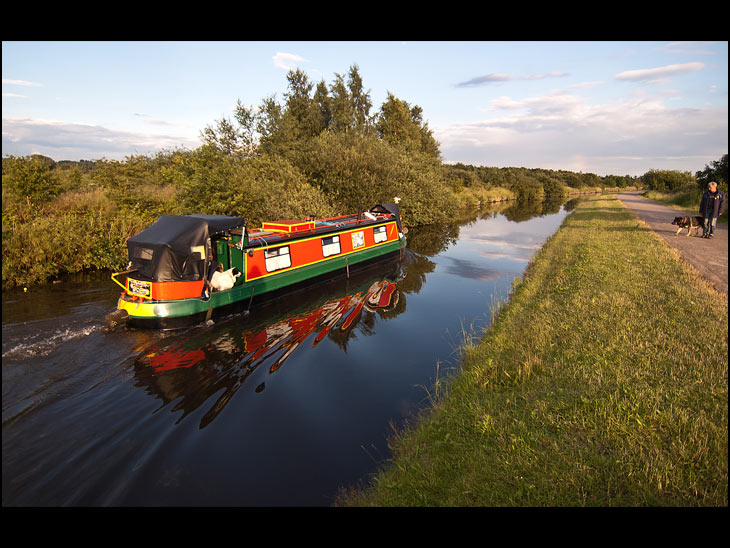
[261,189]
[30,177]
[360,171]
[667,180]
[49,246]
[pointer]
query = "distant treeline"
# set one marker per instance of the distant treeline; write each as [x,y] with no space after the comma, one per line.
[321,151]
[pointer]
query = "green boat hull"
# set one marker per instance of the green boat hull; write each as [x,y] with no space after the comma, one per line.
[183,312]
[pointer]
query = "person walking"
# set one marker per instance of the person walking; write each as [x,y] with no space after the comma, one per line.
[712,206]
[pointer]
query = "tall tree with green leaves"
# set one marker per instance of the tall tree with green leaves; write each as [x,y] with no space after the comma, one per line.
[223,136]
[323,104]
[300,105]
[716,171]
[401,125]
[230,139]
[395,125]
[342,108]
[307,111]
[360,99]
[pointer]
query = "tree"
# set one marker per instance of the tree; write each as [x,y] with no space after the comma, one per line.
[360,100]
[362,170]
[264,187]
[223,136]
[323,104]
[308,111]
[30,177]
[667,180]
[342,109]
[401,125]
[350,104]
[233,140]
[717,172]
[300,105]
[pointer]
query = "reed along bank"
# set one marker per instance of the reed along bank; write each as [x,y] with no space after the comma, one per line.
[602,382]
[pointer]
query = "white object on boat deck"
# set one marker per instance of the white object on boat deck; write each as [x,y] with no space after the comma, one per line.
[221,281]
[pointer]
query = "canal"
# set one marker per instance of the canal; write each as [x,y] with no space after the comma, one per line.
[282,406]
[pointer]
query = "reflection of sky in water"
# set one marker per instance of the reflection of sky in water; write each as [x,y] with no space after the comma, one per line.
[490,248]
[474,274]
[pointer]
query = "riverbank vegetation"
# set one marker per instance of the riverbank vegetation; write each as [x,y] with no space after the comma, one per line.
[322,150]
[603,382]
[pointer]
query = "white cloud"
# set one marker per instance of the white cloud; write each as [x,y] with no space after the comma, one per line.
[72,141]
[506,103]
[149,120]
[13,95]
[495,78]
[691,48]
[585,85]
[287,61]
[21,83]
[563,131]
[161,122]
[543,106]
[658,73]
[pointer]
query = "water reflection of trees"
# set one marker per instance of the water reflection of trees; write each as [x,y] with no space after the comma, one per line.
[432,240]
[519,211]
[570,205]
[215,361]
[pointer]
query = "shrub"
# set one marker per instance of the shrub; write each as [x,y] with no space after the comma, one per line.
[260,188]
[360,171]
[68,242]
[30,177]
[667,180]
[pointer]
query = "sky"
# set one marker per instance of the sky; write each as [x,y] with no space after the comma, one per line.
[610,108]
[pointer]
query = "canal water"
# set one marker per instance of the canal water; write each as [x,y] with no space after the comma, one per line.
[282,406]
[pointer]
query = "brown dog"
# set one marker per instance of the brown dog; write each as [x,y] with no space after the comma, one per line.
[689,223]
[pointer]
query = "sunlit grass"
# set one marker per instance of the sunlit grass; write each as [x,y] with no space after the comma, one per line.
[603,382]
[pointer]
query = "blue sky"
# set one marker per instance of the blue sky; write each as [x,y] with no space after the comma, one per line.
[601,107]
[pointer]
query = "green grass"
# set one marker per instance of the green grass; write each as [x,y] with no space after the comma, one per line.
[603,382]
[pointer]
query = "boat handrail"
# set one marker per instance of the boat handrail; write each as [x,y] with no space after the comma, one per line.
[129,271]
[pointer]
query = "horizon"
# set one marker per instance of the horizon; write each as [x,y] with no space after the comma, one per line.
[609,108]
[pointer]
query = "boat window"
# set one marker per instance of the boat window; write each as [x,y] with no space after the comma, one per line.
[379,234]
[278,258]
[358,239]
[330,246]
[143,253]
[198,250]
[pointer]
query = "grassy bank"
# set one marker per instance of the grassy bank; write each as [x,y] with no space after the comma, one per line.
[603,382]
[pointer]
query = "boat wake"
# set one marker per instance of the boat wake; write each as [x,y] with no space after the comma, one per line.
[42,344]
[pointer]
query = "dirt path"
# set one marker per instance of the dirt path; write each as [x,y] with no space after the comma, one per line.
[709,257]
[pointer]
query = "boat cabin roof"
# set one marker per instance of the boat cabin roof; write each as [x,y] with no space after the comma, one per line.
[280,231]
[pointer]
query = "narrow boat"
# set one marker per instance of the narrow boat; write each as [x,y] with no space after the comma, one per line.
[183,269]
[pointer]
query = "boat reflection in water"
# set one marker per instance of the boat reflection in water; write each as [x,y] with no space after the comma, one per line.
[216,360]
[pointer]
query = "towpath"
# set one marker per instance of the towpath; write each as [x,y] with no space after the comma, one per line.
[708,256]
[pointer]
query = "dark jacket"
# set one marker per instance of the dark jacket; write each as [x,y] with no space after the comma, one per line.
[712,202]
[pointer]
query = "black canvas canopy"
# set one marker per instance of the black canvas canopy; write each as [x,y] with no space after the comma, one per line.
[175,248]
